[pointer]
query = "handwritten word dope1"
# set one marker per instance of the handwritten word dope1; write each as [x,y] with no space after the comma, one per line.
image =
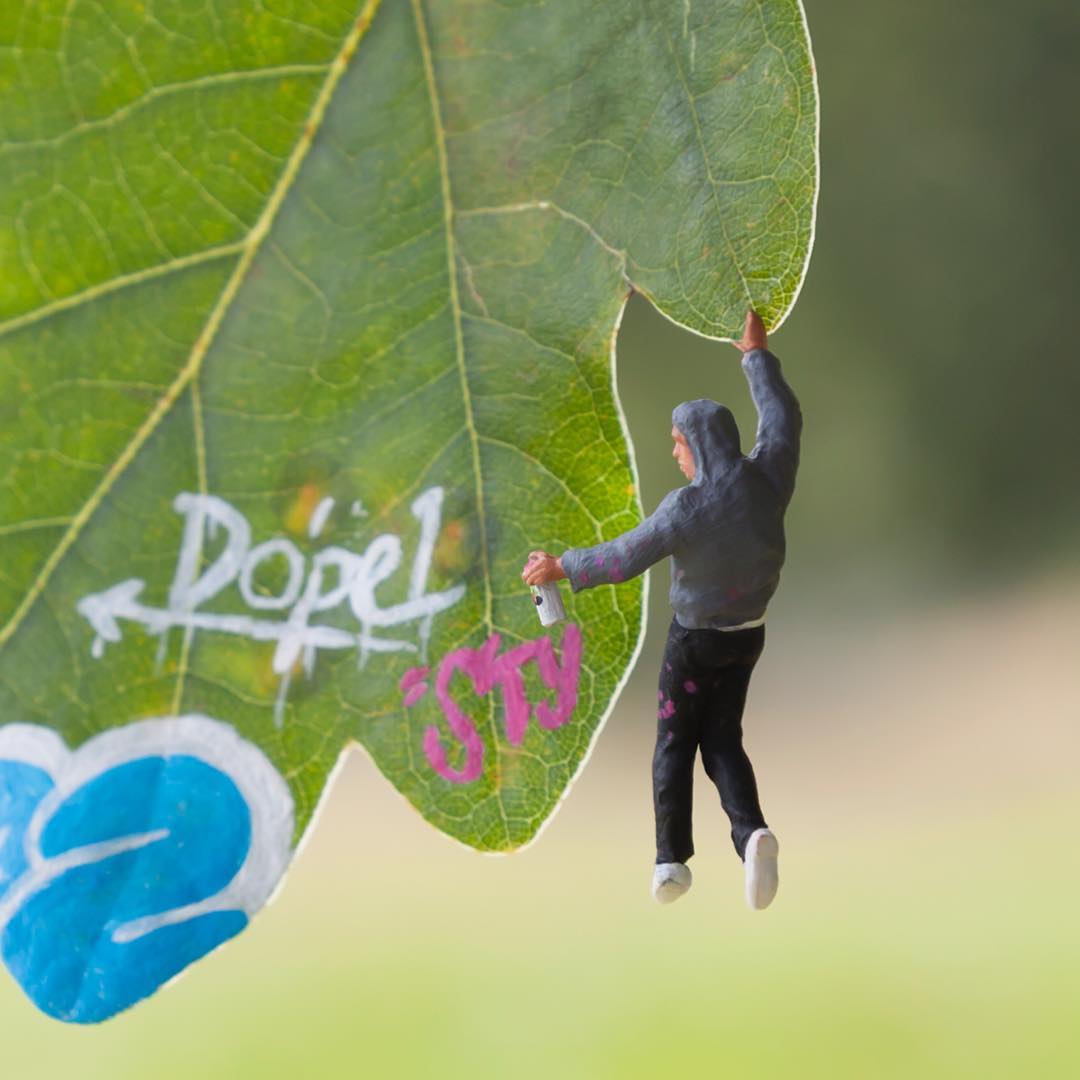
[306,592]
[486,668]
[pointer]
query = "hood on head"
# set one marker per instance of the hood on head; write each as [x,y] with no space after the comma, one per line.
[711,433]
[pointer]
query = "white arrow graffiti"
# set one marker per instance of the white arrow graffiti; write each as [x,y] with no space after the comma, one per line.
[357,576]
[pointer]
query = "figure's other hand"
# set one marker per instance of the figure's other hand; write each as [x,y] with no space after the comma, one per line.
[542,568]
[753,335]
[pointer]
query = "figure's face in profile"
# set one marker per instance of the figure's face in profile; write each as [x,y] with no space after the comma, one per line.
[682,453]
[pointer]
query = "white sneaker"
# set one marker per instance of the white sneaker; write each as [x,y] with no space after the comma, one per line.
[670,880]
[761,873]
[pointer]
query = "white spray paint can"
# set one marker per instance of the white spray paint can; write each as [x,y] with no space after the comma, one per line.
[549,605]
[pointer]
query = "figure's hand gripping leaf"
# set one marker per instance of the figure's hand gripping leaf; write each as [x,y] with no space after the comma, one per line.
[307,322]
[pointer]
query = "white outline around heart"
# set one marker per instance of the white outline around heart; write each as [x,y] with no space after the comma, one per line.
[260,784]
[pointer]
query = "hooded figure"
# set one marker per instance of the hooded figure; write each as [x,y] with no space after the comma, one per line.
[724,534]
[724,531]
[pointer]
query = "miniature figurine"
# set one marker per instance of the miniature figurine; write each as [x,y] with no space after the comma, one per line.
[724,532]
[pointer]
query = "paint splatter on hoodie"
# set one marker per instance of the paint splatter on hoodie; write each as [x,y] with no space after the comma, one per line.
[724,531]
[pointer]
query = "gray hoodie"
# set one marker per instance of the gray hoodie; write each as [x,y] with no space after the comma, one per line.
[724,530]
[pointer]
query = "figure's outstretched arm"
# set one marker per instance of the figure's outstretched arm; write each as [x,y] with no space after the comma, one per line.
[776,447]
[611,561]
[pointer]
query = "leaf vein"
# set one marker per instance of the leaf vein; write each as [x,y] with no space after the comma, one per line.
[123,281]
[155,94]
[251,245]
[459,345]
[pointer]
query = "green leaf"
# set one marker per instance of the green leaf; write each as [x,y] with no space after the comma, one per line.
[283,254]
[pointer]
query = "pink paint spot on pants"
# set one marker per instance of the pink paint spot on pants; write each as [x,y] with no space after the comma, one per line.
[690,686]
[668,709]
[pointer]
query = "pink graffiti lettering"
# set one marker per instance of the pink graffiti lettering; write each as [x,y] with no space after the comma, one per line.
[412,683]
[486,669]
[474,662]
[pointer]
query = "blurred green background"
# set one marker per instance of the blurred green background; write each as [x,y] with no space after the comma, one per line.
[914,719]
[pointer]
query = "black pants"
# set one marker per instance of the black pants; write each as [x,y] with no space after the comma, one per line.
[703,683]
